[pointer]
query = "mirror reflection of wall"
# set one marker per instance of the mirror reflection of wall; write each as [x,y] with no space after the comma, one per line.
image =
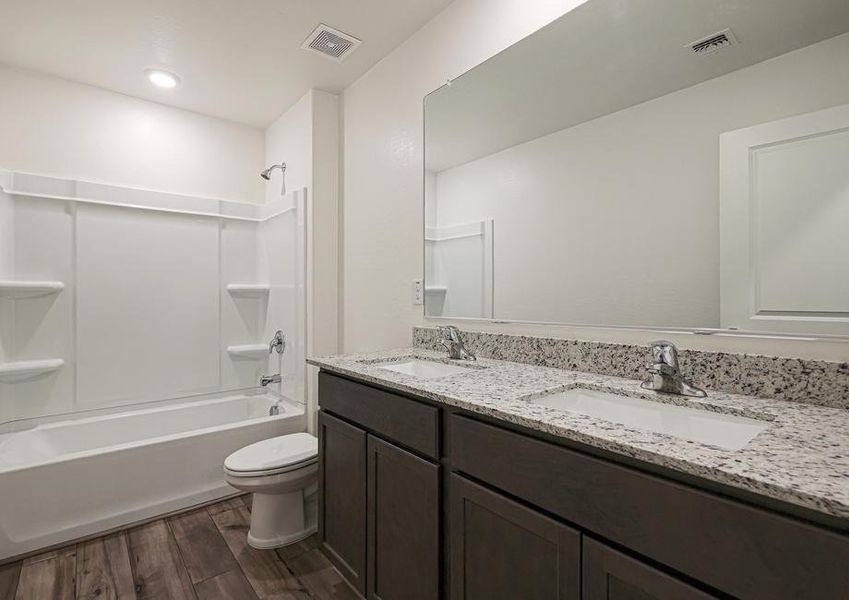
[600,165]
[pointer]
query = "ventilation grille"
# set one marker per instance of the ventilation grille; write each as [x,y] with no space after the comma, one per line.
[330,43]
[713,43]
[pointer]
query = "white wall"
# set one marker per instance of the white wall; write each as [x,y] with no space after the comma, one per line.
[289,140]
[57,127]
[605,185]
[382,206]
[306,138]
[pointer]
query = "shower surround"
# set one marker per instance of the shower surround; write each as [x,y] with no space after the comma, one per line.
[113,297]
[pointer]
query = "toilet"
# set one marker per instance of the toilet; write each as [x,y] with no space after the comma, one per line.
[282,475]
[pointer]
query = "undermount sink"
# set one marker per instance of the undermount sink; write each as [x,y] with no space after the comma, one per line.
[423,369]
[726,431]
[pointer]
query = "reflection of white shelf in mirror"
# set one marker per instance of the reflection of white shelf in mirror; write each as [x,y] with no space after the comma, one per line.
[29,289]
[248,351]
[250,290]
[436,289]
[14,372]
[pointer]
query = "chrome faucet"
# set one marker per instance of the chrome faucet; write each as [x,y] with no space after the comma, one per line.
[450,338]
[278,342]
[665,373]
[266,379]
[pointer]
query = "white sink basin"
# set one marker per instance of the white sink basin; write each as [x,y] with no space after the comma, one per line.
[726,431]
[423,369]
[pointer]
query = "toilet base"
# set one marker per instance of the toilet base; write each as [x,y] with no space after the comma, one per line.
[280,542]
[281,519]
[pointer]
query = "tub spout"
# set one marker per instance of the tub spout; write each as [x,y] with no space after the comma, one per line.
[266,379]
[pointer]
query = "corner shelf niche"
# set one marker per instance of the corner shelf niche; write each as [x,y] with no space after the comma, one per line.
[249,290]
[15,372]
[248,351]
[29,289]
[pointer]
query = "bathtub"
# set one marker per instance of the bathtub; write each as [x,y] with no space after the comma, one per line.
[73,477]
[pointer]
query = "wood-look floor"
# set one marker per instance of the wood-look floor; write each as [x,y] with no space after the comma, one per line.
[198,555]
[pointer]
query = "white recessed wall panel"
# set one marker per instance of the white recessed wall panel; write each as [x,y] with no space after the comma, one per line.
[278,250]
[243,316]
[7,270]
[7,236]
[42,327]
[801,190]
[147,305]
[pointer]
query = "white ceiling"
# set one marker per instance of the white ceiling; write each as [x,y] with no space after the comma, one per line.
[607,55]
[238,59]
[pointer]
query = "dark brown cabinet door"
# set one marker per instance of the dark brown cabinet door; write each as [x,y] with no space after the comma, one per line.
[611,575]
[342,499]
[503,550]
[403,517]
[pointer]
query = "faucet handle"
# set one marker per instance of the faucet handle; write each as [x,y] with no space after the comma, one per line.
[449,333]
[660,369]
[278,342]
[665,352]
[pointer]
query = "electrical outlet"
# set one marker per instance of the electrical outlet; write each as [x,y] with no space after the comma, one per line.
[418,292]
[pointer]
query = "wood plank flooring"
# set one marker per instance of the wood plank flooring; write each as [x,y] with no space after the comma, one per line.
[198,555]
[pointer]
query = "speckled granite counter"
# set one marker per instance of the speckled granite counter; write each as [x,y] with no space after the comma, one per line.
[802,457]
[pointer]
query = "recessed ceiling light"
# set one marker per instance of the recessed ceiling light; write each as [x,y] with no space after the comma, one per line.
[162,79]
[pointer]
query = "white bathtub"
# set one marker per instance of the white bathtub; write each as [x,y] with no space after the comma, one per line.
[83,475]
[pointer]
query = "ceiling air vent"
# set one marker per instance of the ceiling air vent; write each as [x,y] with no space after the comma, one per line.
[712,43]
[331,43]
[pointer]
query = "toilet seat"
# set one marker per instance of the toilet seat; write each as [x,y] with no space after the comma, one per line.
[273,456]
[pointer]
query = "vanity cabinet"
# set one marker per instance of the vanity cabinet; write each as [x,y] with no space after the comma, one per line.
[423,501]
[379,502]
[501,550]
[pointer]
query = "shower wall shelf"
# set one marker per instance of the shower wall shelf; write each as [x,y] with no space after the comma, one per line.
[15,372]
[254,290]
[29,289]
[248,351]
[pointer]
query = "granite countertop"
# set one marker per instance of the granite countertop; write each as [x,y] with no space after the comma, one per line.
[801,458]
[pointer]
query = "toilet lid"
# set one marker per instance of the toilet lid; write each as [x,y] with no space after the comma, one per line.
[274,453]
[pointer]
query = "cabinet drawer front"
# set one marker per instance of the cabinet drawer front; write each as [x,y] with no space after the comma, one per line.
[744,551]
[412,424]
[501,550]
[610,574]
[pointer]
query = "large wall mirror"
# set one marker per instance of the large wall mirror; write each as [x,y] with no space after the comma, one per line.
[673,164]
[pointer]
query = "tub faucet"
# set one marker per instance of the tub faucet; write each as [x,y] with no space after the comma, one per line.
[266,379]
[450,338]
[665,373]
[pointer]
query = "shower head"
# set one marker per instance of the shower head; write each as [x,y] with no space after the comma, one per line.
[267,175]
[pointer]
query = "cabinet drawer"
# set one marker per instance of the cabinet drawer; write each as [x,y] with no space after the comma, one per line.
[742,550]
[412,424]
[612,575]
